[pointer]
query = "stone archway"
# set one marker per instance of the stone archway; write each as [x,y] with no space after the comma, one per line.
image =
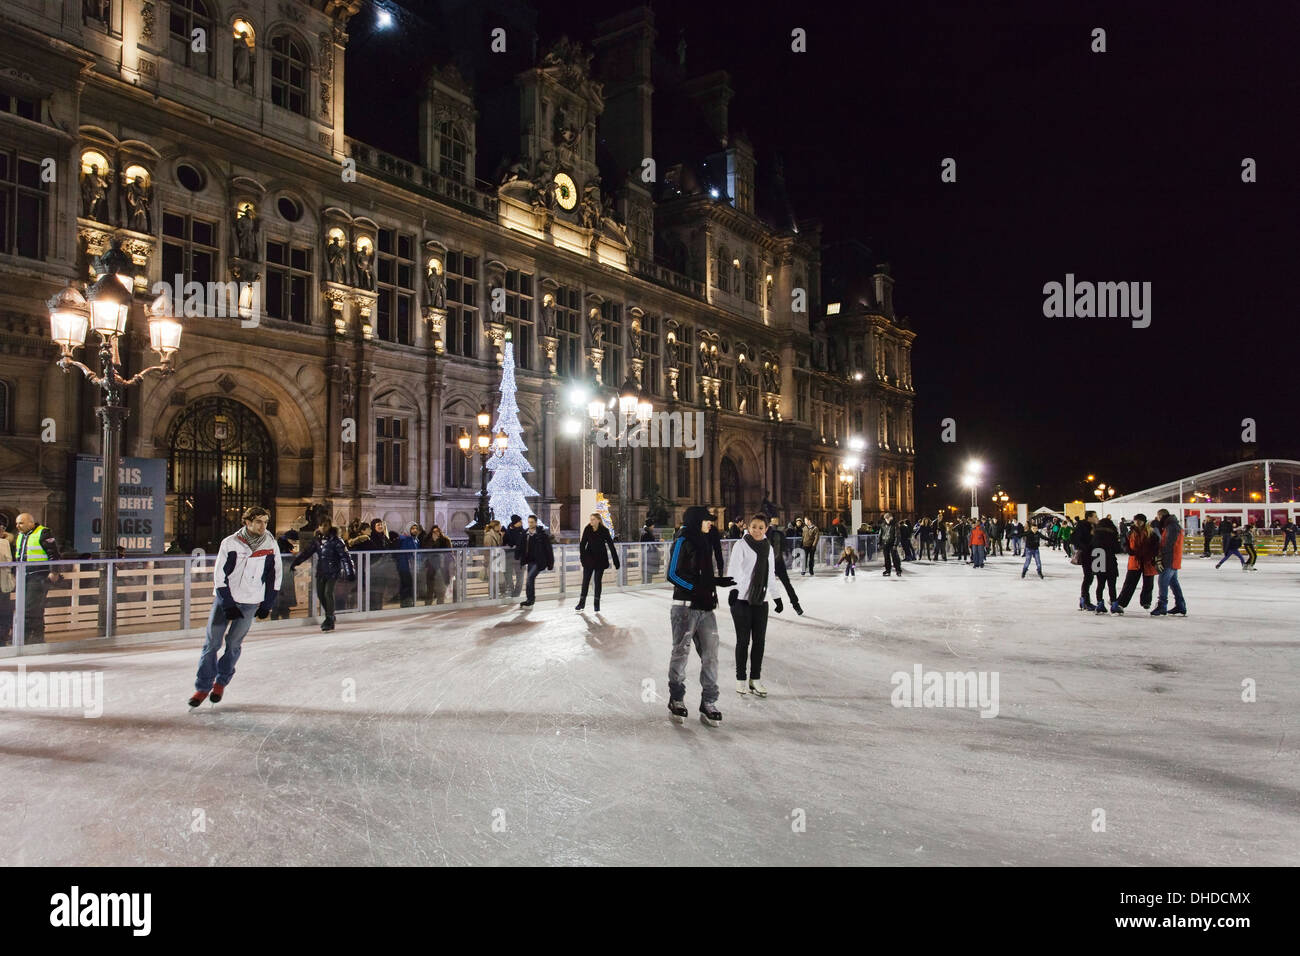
[220,460]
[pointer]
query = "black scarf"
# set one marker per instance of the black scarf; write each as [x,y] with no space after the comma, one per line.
[758,580]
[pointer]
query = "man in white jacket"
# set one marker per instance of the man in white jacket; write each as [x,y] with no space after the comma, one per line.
[244,584]
[753,566]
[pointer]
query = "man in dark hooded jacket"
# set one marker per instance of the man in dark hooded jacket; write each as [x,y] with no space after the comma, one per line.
[690,569]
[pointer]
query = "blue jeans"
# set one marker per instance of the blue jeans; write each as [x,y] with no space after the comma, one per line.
[977,555]
[222,671]
[1168,579]
[1015,543]
[1230,553]
[1031,554]
[533,571]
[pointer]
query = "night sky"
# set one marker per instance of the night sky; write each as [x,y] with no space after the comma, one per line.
[1121,166]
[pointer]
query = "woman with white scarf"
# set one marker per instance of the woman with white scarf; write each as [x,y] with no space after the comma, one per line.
[753,566]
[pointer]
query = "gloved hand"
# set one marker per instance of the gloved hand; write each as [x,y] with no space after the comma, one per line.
[725,582]
[233,613]
[779,606]
[263,611]
[733,597]
[616,565]
[797,609]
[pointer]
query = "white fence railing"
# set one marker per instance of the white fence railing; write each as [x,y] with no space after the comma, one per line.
[60,601]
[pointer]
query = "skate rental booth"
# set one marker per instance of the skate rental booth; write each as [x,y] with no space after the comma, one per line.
[1257,492]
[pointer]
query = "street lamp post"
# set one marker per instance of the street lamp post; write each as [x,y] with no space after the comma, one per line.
[484,443]
[856,466]
[631,407]
[971,480]
[104,309]
[586,410]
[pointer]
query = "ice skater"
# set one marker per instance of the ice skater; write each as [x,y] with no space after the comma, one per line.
[595,542]
[1168,563]
[979,540]
[1031,542]
[1104,559]
[889,544]
[690,569]
[1248,545]
[245,580]
[753,566]
[1288,531]
[777,540]
[1232,549]
[849,558]
[332,562]
[1143,546]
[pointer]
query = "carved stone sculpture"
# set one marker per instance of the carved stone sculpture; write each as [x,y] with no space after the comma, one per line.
[246,229]
[336,256]
[139,198]
[365,258]
[94,195]
[435,287]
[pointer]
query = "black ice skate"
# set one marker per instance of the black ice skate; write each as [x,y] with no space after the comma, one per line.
[710,716]
[677,711]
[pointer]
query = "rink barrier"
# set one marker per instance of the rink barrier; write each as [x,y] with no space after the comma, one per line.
[170,598]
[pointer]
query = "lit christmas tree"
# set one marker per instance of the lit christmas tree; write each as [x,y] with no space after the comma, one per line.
[507,489]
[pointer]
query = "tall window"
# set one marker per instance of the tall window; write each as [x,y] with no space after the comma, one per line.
[651,373]
[751,281]
[190,250]
[727,388]
[683,465]
[747,386]
[801,401]
[390,450]
[568,330]
[20,106]
[451,151]
[519,308]
[455,466]
[4,407]
[723,269]
[289,69]
[396,279]
[462,304]
[686,366]
[288,282]
[611,366]
[186,17]
[24,206]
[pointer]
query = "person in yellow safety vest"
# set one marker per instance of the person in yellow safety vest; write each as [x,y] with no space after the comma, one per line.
[36,546]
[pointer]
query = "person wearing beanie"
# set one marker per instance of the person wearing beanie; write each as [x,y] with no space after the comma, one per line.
[1143,546]
[690,571]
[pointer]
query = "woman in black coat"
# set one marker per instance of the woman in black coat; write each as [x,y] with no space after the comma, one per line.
[591,550]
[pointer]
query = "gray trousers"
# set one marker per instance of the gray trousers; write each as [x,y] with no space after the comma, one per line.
[700,627]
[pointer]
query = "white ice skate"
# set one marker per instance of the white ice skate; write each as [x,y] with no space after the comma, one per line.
[742,687]
[757,689]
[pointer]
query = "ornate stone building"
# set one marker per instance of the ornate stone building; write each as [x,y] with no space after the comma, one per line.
[209,138]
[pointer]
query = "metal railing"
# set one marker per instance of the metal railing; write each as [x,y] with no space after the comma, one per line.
[167,597]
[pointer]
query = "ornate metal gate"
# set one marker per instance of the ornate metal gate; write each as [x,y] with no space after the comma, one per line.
[222,461]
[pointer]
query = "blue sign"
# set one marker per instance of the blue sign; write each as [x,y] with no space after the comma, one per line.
[141,504]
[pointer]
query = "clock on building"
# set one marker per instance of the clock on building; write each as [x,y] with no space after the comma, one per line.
[566,193]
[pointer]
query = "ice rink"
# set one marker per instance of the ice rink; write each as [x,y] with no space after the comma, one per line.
[541,736]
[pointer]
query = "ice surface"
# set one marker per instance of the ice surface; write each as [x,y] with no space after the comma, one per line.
[508,736]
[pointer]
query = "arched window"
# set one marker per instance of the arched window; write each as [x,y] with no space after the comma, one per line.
[191,34]
[289,67]
[4,408]
[751,292]
[452,151]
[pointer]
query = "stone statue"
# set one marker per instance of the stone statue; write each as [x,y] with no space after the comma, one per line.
[518,171]
[94,194]
[548,319]
[597,330]
[246,229]
[634,341]
[337,258]
[672,350]
[243,70]
[435,287]
[768,508]
[365,257]
[139,197]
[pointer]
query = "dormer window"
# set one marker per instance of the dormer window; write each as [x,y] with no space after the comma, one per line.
[452,152]
[289,67]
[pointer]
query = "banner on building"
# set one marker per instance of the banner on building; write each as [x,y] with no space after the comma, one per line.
[141,504]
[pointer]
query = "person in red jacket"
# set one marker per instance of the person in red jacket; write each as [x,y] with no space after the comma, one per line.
[1168,563]
[978,542]
[1143,546]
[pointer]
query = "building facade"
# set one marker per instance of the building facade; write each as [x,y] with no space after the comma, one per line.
[345,309]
